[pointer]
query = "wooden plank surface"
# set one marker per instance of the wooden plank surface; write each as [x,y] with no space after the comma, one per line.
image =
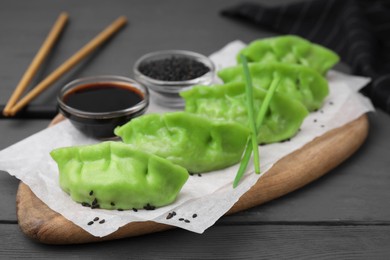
[220,242]
[292,172]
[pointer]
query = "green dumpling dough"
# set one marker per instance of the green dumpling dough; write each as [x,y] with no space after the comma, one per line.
[293,50]
[228,102]
[298,82]
[194,142]
[113,175]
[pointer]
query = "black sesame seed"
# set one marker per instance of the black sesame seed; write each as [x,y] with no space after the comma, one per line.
[91,193]
[330,103]
[187,221]
[96,219]
[169,216]
[181,219]
[200,175]
[173,69]
[135,210]
[96,206]
[315,120]
[149,207]
[322,126]
[112,204]
[85,204]
[102,221]
[173,213]
[191,173]
[120,209]
[94,202]
[194,215]
[90,223]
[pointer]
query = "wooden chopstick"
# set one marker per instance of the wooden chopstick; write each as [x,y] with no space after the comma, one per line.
[37,61]
[68,64]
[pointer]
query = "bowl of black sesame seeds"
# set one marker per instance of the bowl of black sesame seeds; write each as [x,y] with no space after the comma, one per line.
[167,73]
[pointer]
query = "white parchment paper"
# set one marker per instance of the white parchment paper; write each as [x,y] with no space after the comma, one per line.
[204,198]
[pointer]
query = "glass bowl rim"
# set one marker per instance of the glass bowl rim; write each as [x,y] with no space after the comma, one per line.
[103,115]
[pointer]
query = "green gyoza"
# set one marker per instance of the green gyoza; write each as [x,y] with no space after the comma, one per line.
[194,142]
[113,175]
[228,102]
[290,49]
[297,82]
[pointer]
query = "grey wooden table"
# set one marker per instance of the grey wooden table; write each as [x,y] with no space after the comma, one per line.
[345,214]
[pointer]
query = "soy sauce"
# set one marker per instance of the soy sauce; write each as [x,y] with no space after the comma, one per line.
[101,97]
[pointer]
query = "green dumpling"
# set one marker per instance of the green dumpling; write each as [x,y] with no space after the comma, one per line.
[293,50]
[113,175]
[228,102]
[298,82]
[194,142]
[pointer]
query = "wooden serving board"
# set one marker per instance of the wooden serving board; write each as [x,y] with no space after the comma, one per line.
[292,172]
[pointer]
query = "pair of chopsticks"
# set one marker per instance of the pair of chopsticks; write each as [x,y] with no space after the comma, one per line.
[13,105]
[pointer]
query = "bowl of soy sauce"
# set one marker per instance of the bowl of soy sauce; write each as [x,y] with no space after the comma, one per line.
[97,105]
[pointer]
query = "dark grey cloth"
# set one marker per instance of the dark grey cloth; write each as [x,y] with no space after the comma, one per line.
[358,30]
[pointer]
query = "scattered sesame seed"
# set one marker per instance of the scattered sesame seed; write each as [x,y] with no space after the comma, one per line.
[181,219]
[120,209]
[96,219]
[102,221]
[112,204]
[91,193]
[90,223]
[94,202]
[96,206]
[187,221]
[149,207]
[194,215]
[85,204]
[135,210]
[200,175]
[169,216]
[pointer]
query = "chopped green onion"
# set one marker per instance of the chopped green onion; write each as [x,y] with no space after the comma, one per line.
[267,100]
[259,121]
[244,163]
[251,113]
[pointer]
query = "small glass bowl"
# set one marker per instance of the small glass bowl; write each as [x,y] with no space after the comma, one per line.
[102,124]
[166,93]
